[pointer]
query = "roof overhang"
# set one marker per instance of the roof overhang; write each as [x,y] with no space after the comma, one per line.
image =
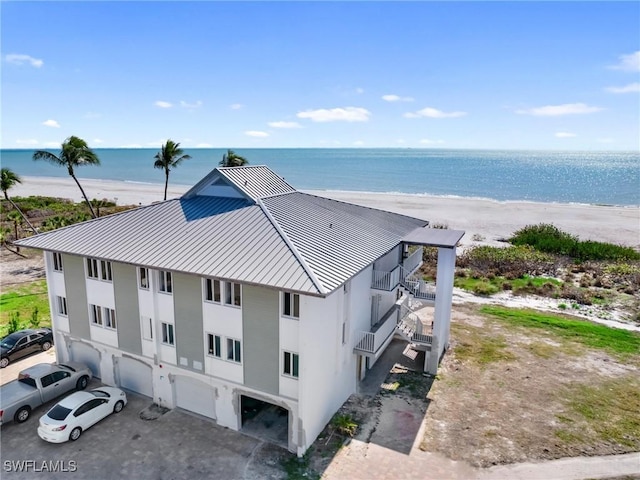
[433,237]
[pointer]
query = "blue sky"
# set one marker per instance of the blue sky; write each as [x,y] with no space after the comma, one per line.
[512,75]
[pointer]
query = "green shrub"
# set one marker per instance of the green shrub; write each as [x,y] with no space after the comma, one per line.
[345,424]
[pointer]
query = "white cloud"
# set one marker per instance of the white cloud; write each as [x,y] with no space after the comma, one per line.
[359,90]
[184,104]
[558,110]
[98,140]
[358,143]
[434,113]
[605,140]
[131,145]
[51,123]
[256,133]
[346,114]
[236,106]
[92,115]
[284,124]
[631,88]
[428,141]
[396,98]
[163,104]
[628,63]
[27,141]
[565,135]
[204,145]
[19,59]
[51,144]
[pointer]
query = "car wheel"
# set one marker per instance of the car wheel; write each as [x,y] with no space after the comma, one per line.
[82,383]
[4,362]
[22,415]
[117,408]
[46,346]
[75,434]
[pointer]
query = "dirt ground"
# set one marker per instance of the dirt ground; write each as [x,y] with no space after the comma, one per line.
[15,269]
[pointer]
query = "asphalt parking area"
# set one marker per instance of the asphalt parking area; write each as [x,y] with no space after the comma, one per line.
[176,445]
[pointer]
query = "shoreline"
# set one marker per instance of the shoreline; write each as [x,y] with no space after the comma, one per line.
[485,221]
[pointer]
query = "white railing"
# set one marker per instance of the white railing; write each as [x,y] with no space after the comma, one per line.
[372,341]
[417,286]
[411,326]
[381,280]
[413,261]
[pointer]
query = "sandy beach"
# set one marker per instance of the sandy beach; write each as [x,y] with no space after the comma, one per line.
[485,221]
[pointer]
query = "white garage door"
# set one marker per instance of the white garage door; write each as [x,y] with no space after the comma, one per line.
[194,396]
[81,352]
[134,375]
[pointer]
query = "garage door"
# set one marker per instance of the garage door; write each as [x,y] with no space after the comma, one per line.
[194,396]
[81,352]
[134,375]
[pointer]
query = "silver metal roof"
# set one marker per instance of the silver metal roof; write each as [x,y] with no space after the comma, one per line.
[434,237]
[287,240]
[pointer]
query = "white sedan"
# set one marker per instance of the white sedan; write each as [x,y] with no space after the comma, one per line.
[67,419]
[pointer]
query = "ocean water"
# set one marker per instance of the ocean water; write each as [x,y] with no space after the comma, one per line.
[608,178]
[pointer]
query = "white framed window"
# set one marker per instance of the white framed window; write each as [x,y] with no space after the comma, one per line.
[110,318]
[214,345]
[290,364]
[234,350]
[57,261]
[92,268]
[291,304]
[143,278]
[212,291]
[164,282]
[147,327]
[62,305]
[232,294]
[105,270]
[168,337]
[96,314]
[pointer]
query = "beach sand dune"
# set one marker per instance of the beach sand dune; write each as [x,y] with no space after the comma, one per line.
[485,221]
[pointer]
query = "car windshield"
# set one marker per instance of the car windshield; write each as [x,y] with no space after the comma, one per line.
[10,341]
[67,367]
[99,394]
[58,412]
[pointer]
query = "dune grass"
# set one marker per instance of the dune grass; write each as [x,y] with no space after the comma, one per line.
[622,343]
[24,300]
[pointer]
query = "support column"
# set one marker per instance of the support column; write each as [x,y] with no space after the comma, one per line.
[444,296]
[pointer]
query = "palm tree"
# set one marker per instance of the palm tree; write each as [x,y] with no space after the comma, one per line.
[8,179]
[170,156]
[232,159]
[75,153]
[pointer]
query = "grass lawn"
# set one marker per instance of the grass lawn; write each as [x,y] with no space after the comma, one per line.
[24,300]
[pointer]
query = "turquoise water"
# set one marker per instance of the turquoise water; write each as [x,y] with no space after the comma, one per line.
[611,178]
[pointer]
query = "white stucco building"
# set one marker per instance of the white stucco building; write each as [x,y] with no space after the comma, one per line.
[244,292]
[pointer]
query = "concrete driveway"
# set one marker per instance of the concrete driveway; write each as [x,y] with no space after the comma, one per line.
[175,445]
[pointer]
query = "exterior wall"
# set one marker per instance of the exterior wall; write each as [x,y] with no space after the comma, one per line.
[187,300]
[260,338]
[56,288]
[148,324]
[389,261]
[76,288]
[163,313]
[127,309]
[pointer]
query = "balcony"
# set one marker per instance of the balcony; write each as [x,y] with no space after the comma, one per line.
[386,281]
[371,342]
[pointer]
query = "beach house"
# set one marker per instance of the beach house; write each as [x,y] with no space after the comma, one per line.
[245,297]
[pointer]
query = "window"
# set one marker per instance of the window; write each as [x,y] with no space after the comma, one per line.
[110,318]
[167,334]
[105,268]
[344,332]
[165,282]
[233,350]
[147,328]
[290,364]
[291,304]
[62,305]
[57,261]
[215,345]
[92,268]
[96,314]
[212,290]
[143,278]
[233,295]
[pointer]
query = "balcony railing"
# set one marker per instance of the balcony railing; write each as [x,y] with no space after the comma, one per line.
[413,261]
[382,280]
[372,341]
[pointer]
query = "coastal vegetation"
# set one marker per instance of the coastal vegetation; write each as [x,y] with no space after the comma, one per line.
[169,156]
[74,153]
[232,159]
[24,306]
